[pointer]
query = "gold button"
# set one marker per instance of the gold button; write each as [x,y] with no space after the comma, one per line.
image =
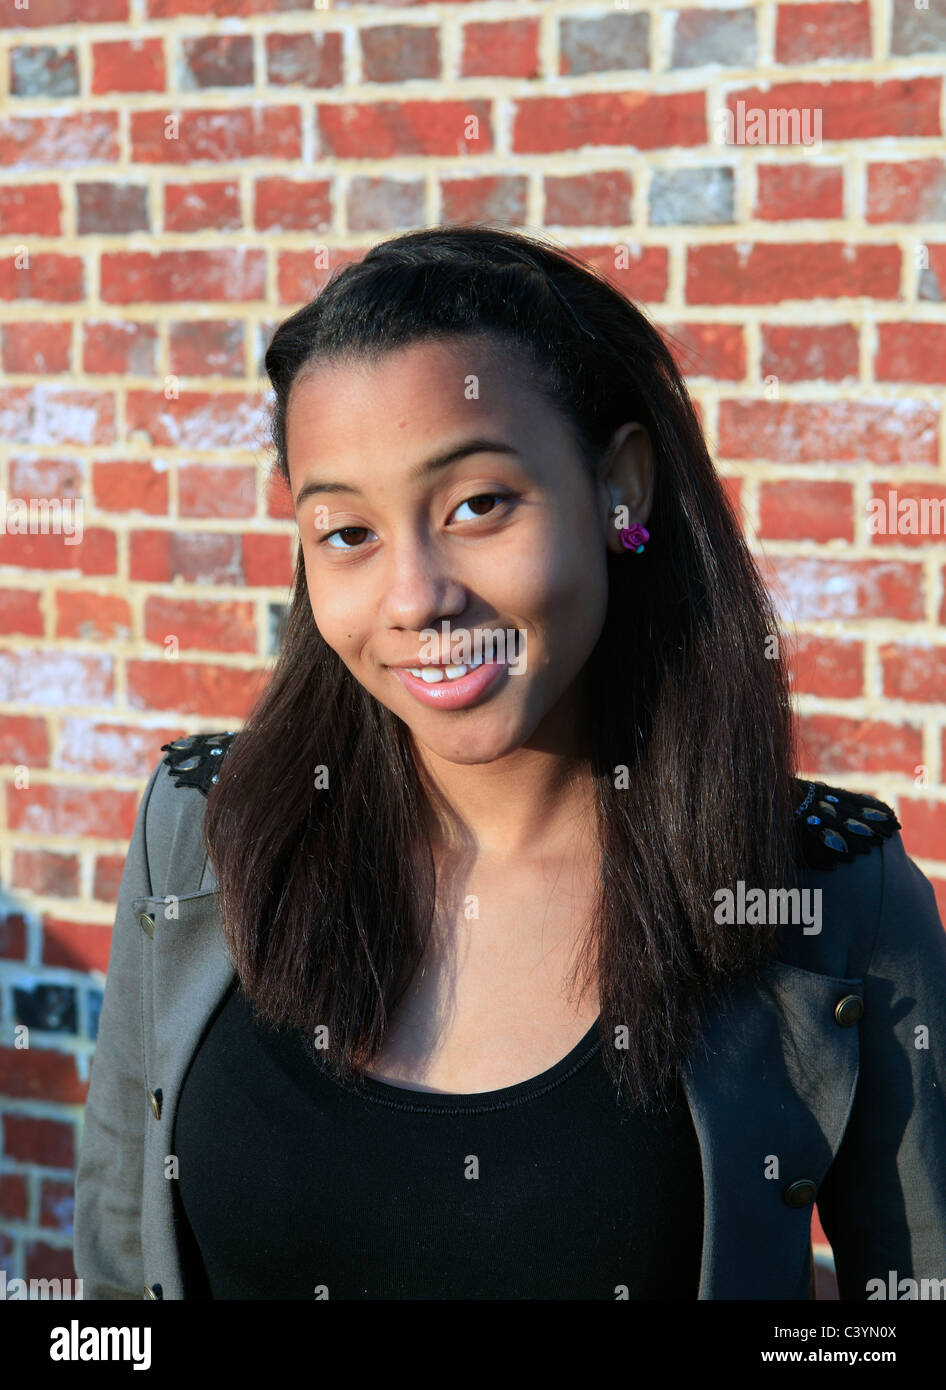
[146,922]
[154,1097]
[153,1291]
[800,1193]
[848,1010]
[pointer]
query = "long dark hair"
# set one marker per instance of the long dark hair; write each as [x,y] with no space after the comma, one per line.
[327,892]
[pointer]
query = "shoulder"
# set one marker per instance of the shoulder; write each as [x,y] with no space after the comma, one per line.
[833,826]
[871,897]
[173,808]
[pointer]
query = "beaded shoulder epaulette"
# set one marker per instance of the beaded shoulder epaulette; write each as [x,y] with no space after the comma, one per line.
[193,761]
[832,826]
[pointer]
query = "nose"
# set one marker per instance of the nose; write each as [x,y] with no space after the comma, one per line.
[419,588]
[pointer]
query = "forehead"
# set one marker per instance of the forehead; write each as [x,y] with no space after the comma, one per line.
[421,392]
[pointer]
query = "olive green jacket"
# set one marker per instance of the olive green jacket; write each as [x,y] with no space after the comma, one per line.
[825,1081]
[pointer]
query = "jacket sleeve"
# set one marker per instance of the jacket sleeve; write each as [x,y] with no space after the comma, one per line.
[107,1240]
[883,1201]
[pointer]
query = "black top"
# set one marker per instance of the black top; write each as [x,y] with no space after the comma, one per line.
[294,1185]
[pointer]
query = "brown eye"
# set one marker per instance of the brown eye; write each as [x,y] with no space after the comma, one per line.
[481,498]
[347,532]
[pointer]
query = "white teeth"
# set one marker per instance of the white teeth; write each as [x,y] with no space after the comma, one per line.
[433,675]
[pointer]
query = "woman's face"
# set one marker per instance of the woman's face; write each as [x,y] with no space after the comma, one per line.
[498,553]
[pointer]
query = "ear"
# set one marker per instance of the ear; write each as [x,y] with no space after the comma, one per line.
[626,482]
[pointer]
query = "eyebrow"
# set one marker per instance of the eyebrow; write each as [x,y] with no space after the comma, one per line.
[422,470]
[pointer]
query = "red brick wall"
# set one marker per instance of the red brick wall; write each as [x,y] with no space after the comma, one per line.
[179,175]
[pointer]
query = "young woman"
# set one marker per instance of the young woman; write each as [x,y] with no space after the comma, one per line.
[508,957]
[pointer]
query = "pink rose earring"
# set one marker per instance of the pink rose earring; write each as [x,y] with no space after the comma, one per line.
[634,537]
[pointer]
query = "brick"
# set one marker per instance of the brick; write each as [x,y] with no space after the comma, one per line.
[57,415]
[279,498]
[197,419]
[21,612]
[76,945]
[836,746]
[44,70]
[58,142]
[914,30]
[487,198]
[854,110]
[292,205]
[206,347]
[688,196]
[379,203]
[604,44]
[92,616]
[907,190]
[128,65]
[13,1197]
[640,274]
[111,209]
[304,60]
[840,431]
[12,936]
[724,38]
[796,509]
[808,588]
[399,52]
[197,207]
[41,676]
[119,750]
[47,477]
[119,349]
[34,207]
[136,485]
[64,12]
[107,877]
[57,1205]
[396,129]
[911,352]
[193,688]
[23,739]
[49,277]
[46,873]
[216,60]
[94,554]
[218,9]
[44,1261]
[638,120]
[910,671]
[786,192]
[201,624]
[601,199]
[924,827]
[161,277]
[216,490]
[893,523]
[268,561]
[707,349]
[66,809]
[805,33]
[827,666]
[509,48]
[25,1137]
[300,275]
[218,135]
[41,349]
[772,273]
[197,557]
[796,352]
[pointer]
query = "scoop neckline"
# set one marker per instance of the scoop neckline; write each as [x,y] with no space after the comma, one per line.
[406,1098]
